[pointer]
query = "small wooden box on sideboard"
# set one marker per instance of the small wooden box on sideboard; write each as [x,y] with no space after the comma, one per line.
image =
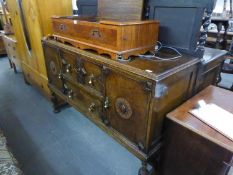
[114,38]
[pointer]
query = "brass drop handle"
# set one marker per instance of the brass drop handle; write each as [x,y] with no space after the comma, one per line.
[70,94]
[60,76]
[82,71]
[68,68]
[92,107]
[91,80]
[106,103]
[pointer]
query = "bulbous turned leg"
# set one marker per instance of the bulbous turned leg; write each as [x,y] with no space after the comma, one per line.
[14,67]
[143,170]
[56,107]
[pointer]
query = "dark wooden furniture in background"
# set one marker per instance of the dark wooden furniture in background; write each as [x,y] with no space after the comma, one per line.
[221,42]
[120,9]
[177,31]
[128,100]
[210,69]
[114,38]
[111,9]
[193,148]
[2,46]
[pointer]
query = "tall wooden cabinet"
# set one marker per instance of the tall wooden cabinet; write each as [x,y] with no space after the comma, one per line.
[31,22]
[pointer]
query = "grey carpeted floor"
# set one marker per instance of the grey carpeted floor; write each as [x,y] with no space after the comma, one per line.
[49,144]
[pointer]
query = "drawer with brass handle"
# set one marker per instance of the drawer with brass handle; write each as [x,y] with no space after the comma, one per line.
[68,64]
[79,70]
[84,101]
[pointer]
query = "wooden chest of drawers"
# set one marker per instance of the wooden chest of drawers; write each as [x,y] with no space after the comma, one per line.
[116,39]
[128,100]
[12,52]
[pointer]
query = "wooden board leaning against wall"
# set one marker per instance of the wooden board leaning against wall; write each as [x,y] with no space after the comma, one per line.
[31,21]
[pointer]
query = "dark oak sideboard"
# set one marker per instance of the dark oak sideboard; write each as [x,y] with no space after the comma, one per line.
[127,99]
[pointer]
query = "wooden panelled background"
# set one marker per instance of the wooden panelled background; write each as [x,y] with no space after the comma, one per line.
[37,15]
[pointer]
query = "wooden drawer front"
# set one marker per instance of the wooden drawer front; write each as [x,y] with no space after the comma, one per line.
[85,102]
[128,110]
[53,66]
[69,64]
[11,49]
[82,31]
[90,74]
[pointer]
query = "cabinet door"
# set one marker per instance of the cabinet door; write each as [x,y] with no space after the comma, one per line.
[127,105]
[53,66]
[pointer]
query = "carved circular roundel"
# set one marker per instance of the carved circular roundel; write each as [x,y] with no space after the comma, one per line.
[53,67]
[123,108]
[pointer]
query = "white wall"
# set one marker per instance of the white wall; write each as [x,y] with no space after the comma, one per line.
[219,6]
[74,5]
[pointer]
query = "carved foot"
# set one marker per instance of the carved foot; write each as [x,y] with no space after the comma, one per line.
[143,170]
[15,69]
[56,111]
[54,100]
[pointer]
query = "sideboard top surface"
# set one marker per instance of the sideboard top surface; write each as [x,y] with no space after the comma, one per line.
[152,69]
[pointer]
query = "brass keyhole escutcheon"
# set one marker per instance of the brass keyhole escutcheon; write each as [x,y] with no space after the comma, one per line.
[91,80]
[123,108]
[96,33]
[92,107]
[62,27]
[68,68]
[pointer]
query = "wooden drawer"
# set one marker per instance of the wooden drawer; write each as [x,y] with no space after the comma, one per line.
[90,74]
[81,99]
[69,64]
[78,69]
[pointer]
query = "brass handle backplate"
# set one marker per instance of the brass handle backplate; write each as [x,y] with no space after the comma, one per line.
[92,107]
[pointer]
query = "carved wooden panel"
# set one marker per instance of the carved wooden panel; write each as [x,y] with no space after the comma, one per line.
[120,9]
[129,99]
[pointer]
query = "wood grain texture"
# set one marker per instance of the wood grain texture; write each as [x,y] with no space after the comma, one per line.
[192,146]
[129,100]
[12,50]
[115,38]
[37,18]
[2,46]
[121,9]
